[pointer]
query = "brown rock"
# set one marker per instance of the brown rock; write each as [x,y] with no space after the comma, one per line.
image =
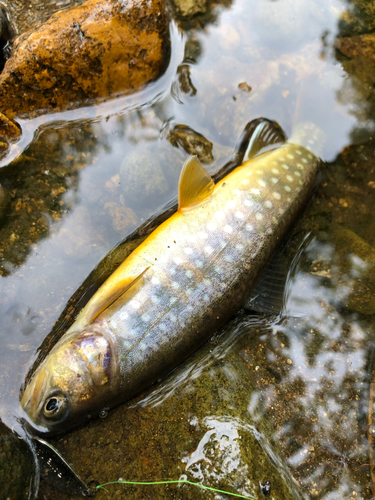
[98,49]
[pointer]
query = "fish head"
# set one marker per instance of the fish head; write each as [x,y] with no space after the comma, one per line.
[72,384]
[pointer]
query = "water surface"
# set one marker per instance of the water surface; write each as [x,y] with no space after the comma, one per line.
[74,197]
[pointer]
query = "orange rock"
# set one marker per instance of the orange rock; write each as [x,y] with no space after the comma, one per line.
[101,48]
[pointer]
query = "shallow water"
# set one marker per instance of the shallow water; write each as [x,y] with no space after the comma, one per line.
[305,378]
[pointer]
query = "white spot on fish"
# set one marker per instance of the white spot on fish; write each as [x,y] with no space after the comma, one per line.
[281,211]
[189,308]
[239,215]
[274,180]
[274,220]
[172,270]
[178,260]
[299,165]
[262,183]
[145,317]
[220,215]
[189,291]
[310,156]
[218,269]
[285,166]
[291,157]
[298,189]
[211,226]
[304,160]
[135,304]
[174,285]
[199,264]
[172,317]
[208,249]
[254,191]
[206,298]
[276,195]
[245,181]
[155,280]
[268,204]
[259,216]
[282,158]
[298,151]
[203,235]
[228,229]
[154,299]
[249,227]
[228,258]
[287,189]
[248,203]
[188,250]
[239,246]
[207,282]
[162,327]
[290,178]
[236,191]
[298,174]
[231,204]
[275,171]
[189,274]
[172,300]
[260,172]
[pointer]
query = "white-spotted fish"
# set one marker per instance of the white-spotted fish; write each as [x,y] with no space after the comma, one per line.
[178,287]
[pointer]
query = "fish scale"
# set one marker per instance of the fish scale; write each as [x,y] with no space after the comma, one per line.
[193,273]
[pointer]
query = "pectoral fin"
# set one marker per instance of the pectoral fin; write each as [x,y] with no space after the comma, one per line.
[195,184]
[106,296]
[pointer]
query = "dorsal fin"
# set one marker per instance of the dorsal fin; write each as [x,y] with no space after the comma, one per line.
[265,135]
[195,184]
[105,297]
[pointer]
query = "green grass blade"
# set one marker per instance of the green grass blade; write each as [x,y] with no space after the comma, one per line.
[176,481]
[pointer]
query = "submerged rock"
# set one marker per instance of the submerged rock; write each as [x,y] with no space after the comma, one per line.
[98,49]
[143,179]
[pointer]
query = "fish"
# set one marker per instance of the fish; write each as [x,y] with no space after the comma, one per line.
[173,292]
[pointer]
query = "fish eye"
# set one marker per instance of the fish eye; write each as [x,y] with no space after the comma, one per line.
[54,406]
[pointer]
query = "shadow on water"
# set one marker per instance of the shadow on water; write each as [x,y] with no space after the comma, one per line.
[296,389]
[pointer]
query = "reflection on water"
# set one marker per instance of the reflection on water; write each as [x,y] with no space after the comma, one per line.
[88,178]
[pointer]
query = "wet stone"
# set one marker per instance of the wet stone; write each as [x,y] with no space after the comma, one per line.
[93,51]
[192,142]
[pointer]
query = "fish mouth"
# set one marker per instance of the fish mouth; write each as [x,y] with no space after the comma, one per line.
[31,401]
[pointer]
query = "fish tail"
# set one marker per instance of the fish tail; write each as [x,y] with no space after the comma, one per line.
[310,136]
